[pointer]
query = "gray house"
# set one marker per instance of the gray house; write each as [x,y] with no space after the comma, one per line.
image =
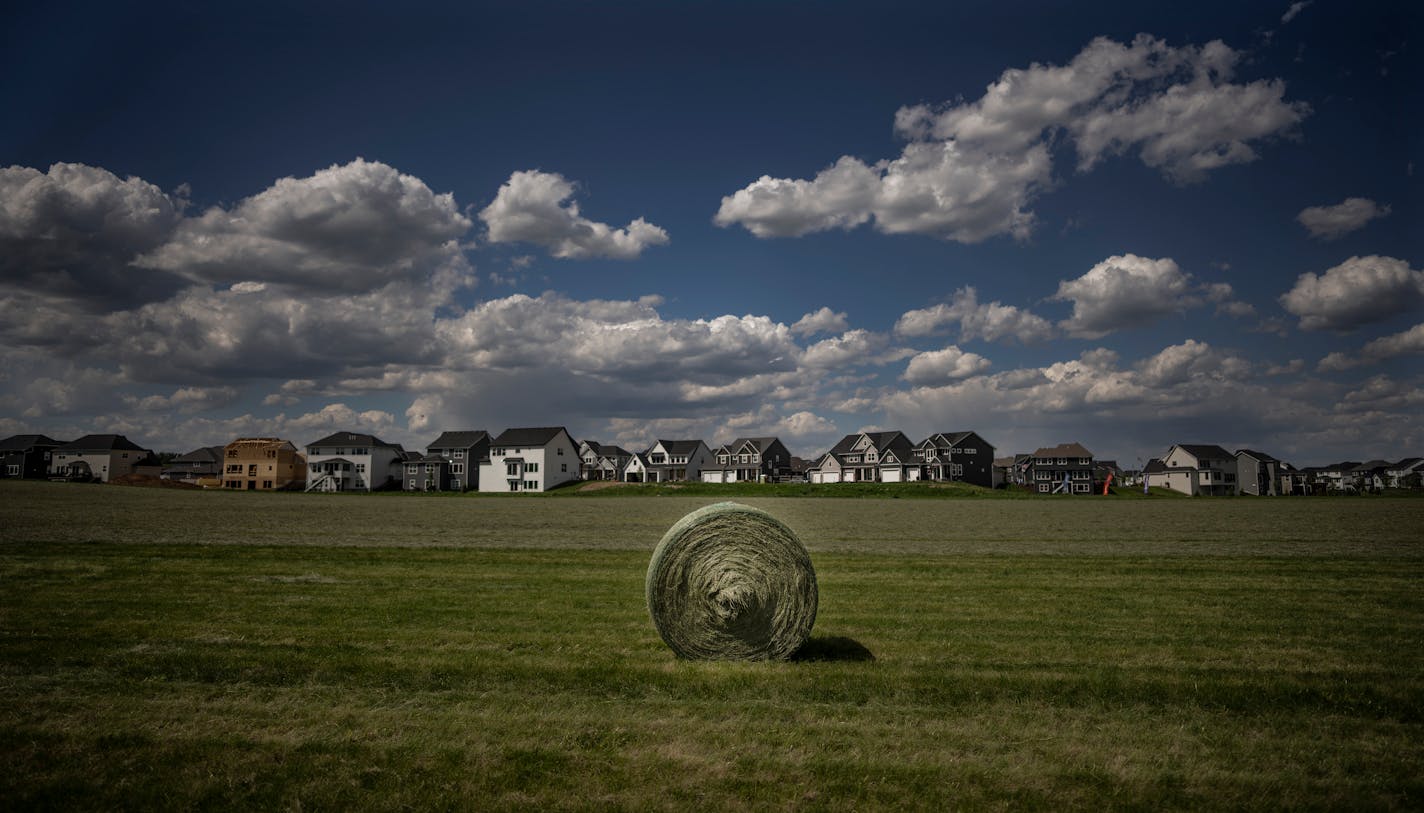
[451,463]
[1063,469]
[27,456]
[1257,473]
[203,463]
[748,460]
[956,456]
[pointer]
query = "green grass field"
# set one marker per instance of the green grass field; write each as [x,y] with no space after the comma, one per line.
[169,649]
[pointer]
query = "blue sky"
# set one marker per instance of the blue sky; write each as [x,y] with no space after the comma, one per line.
[1126,226]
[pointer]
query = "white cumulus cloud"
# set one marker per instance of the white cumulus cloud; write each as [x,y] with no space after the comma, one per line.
[535,207]
[1330,222]
[992,321]
[971,170]
[824,320]
[1357,292]
[941,366]
[1126,291]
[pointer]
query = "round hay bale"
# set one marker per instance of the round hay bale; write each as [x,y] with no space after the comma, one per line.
[731,582]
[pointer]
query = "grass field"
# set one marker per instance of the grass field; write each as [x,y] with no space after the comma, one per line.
[164,649]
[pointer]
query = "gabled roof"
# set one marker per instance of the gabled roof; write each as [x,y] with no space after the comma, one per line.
[1154,466]
[1407,463]
[102,443]
[18,443]
[1373,465]
[1003,462]
[679,446]
[949,438]
[1063,450]
[593,446]
[880,440]
[1210,451]
[608,450]
[206,454]
[353,439]
[529,436]
[1262,456]
[459,440]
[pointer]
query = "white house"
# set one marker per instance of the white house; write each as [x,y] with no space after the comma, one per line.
[1198,468]
[530,459]
[668,460]
[351,461]
[98,457]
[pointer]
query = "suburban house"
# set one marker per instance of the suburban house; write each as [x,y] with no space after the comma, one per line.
[352,461]
[27,456]
[1370,475]
[98,457]
[956,456]
[203,465]
[450,463]
[263,464]
[1407,473]
[1063,469]
[598,461]
[1198,468]
[748,460]
[883,457]
[530,459]
[1337,477]
[1257,473]
[668,461]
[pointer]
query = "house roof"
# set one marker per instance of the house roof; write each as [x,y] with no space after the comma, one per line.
[679,446]
[1063,450]
[458,440]
[529,436]
[17,443]
[1408,463]
[1262,456]
[1209,451]
[1154,466]
[105,443]
[880,440]
[1373,465]
[206,454]
[1003,462]
[952,438]
[593,446]
[613,451]
[352,439]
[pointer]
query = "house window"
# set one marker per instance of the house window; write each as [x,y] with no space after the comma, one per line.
[531,485]
[232,453]
[266,483]
[564,467]
[455,484]
[561,451]
[457,468]
[532,468]
[360,467]
[511,469]
[459,454]
[412,483]
[969,451]
[13,470]
[1043,488]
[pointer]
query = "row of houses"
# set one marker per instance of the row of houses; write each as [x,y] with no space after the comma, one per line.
[542,458]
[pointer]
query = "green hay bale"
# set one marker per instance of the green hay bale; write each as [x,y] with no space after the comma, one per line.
[731,582]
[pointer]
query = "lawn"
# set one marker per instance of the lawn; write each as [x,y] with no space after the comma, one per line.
[163,649]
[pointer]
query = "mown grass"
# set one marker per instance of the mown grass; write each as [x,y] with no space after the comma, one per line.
[1052,670]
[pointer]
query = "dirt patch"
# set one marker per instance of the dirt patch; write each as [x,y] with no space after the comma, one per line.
[599,485]
[144,481]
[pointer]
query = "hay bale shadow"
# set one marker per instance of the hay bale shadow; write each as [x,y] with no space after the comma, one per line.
[833,648]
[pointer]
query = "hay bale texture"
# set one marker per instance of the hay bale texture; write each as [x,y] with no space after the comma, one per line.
[731,582]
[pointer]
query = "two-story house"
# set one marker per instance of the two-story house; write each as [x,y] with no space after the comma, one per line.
[1257,473]
[668,461]
[1407,473]
[1199,469]
[263,464]
[352,461]
[878,457]
[1063,469]
[530,459]
[956,457]
[602,461]
[450,463]
[98,457]
[27,456]
[748,460]
[203,465]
